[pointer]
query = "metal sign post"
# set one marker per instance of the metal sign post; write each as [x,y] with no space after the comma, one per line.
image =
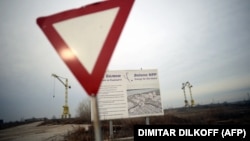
[147,120]
[111,131]
[97,124]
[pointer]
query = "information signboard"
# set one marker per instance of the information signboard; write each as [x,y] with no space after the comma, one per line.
[129,93]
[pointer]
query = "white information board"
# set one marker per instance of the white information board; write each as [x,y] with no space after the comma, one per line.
[129,93]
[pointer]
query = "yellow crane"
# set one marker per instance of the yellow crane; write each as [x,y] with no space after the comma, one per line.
[190,86]
[65,113]
[185,98]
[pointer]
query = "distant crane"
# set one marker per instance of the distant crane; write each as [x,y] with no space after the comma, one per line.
[66,85]
[185,97]
[190,86]
[192,100]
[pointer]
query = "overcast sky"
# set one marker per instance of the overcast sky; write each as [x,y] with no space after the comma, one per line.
[205,42]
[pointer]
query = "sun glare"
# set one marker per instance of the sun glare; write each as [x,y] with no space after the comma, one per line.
[67,54]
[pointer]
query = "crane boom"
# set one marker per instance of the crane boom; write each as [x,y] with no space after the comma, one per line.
[58,77]
[66,85]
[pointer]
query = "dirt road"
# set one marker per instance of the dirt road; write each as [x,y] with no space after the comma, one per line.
[32,132]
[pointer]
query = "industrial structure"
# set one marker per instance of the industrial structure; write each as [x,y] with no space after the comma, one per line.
[185,98]
[65,113]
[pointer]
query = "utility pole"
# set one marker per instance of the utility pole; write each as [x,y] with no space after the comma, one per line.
[65,106]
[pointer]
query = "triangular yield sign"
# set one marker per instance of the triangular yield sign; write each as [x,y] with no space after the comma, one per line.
[85,38]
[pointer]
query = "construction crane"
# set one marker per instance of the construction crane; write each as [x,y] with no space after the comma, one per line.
[185,97]
[189,86]
[65,113]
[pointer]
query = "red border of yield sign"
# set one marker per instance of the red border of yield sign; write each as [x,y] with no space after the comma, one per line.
[90,82]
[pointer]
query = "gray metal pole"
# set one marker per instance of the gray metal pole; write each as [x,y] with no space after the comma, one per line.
[97,124]
[147,120]
[111,135]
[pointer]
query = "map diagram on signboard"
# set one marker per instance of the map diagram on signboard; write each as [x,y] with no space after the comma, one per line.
[144,101]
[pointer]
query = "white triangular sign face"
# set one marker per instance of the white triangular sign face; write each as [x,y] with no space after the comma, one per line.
[86,34]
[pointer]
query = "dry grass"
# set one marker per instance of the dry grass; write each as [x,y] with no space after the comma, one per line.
[223,114]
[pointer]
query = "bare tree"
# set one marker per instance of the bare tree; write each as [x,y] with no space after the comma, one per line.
[84,110]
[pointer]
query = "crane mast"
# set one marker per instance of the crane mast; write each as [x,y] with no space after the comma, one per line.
[185,97]
[190,86]
[65,113]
